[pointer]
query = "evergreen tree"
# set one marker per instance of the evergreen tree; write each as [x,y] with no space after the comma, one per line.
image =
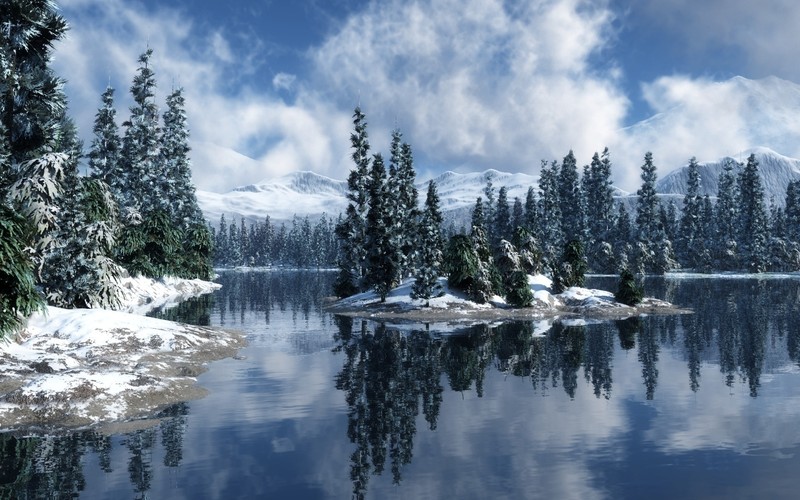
[502,217]
[515,279]
[629,291]
[792,211]
[600,214]
[572,270]
[431,248]
[653,250]
[724,242]
[105,153]
[486,280]
[461,263]
[622,237]
[140,149]
[383,255]
[517,215]
[570,200]
[352,229]
[531,220]
[689,245]
[550,234]
[405,194]
[752,221]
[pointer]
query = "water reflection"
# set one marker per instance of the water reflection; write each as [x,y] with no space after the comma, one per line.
[564,407]
[53,466]
[391,376]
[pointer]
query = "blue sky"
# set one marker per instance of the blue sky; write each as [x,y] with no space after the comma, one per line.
[472,84]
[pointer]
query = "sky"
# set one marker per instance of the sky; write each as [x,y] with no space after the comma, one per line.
[271,85]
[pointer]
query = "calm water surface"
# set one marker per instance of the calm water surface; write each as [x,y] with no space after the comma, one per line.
[697,406]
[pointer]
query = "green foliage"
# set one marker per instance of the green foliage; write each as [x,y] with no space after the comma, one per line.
[151,247]
[18,295]
[629,291]
[572,270]
[197,249]
[461,262]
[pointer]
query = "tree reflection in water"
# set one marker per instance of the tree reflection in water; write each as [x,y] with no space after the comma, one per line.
[389,376]
[52,466]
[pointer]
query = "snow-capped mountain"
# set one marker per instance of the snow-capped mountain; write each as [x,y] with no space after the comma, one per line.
[307,193]
[298,193]
[775,170]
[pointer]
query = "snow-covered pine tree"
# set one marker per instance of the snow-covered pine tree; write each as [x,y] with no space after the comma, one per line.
[502,217]
[77,268]
[530,255]
[517,215]
[146,215]
[489,207]
[383,255]
[140,145]
[688,242]
[653,249]
[486,281]
[221,249]
[629,291]
[105,153]
[351,231]
[621,239]
[431,248]
[531,220]
[408,215]
[792,211]
[600,215]
[515,280]
[569,199]
[572,270]
[753,233]
[726,213]
[550,234]
[461,262]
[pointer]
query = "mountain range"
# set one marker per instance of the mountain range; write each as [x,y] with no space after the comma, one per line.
[772,128]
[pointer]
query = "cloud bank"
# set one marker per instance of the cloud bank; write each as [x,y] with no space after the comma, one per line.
[472,84]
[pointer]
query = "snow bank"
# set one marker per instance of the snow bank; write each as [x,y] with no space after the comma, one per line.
[78,367]
[453,306]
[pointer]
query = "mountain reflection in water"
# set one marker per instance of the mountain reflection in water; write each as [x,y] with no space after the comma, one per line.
[610,409]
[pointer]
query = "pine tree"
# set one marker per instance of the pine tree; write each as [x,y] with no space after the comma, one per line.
[486,280]
[431,248]
[572,270]
[570,200]
[531,221]
[792,211]
[629,291]
[622,237]
[461,263]
[105,153]
[653,250]
[515,280]
[517,215]
[550,234]
[724,243]
[752,222]
[600,214]
[352,230]
[689,245]
[383,255]
[402,178]
[502,217]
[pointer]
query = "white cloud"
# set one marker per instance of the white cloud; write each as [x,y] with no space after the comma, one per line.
[283,81]
[225,115]
[482,83]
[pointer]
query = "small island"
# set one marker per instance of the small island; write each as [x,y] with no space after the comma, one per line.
[453,306]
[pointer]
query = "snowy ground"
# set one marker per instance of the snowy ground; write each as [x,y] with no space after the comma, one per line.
[453,306]
[73,368]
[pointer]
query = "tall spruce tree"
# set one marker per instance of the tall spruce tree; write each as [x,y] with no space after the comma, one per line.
[569,199]
[726,213]
[653,250]
[383,255]
[431,248]
[502,217]
[177,188]
[689,244]
[752,222]
[105,153]
[484,282]
[351,231]
[600,214]
[550,234]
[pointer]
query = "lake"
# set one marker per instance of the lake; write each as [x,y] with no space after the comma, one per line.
[705,405]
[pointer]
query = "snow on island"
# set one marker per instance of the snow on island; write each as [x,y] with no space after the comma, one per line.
[454,306]
[78,367]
